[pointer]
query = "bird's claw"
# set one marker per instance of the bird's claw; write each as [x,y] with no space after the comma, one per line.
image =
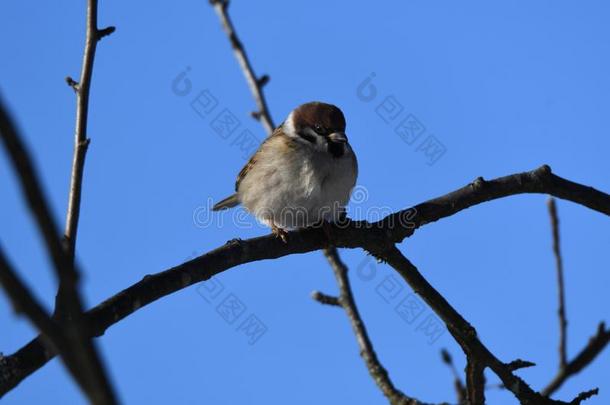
[280,233]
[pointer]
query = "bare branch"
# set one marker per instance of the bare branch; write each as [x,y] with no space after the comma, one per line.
[72,83]
[541,180]
[462,331]
[89,365]
[519,364]
[585,395]
[346,300]
[104,32]
[81,142]
[352,234]
[255,84]
[25,303]
[325,299]
[596,344]
[458,384]
[563,323]
[475,381]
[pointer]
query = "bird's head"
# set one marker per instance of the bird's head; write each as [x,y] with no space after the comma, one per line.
[318,125]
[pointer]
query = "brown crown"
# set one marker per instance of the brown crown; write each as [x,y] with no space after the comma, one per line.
[315,113]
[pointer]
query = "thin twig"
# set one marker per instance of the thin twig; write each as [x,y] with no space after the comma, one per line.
[354,234]
[585,395]
[81,141]
[563,323]
[89,365]
[458,384]
[346,300]
[519,364]
[255,83]
[596,344]
[326,299]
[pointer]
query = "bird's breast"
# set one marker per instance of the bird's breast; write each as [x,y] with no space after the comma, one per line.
[316,185]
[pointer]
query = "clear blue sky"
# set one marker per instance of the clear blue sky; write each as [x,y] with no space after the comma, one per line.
[503,87]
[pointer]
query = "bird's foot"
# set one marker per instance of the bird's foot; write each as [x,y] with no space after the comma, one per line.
[280,233]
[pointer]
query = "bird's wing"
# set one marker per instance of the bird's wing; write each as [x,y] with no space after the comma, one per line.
[246,169]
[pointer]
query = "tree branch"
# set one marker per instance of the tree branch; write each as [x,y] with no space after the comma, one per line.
[88,363]
[596,344]
[81,142]
[475,381]
[255,84]
[25,303]
[541,180]
[563,323]
[351,234]
[23,300]
[346,301]
[519,364]
[325,299]
[463,333]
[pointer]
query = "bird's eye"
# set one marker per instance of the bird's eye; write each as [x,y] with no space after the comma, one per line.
[319,129]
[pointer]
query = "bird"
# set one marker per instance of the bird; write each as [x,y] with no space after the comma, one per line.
[302,175]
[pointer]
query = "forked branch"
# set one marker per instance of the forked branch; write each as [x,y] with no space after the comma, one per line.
[83,357]
[352,234]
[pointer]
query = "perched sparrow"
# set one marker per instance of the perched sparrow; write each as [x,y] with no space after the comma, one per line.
[302,175]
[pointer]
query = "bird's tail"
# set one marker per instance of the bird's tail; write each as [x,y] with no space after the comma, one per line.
[229,202]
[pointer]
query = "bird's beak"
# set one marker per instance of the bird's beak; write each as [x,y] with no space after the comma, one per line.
[338,137]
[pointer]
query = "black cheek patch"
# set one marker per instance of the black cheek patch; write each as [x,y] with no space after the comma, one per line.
[307,137]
